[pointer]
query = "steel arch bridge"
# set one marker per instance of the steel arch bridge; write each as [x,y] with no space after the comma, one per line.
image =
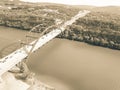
[34,40]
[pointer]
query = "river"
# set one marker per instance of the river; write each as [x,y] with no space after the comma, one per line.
[70,65]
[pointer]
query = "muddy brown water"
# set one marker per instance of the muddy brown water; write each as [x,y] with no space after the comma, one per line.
[71,65]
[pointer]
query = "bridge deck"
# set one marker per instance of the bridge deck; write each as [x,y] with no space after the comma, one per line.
[17,56]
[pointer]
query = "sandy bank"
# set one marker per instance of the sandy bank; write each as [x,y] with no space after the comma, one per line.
[11,83]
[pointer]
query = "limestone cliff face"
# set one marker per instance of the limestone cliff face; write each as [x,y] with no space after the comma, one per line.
[11,83]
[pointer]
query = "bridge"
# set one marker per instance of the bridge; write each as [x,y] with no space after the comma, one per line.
[7,62]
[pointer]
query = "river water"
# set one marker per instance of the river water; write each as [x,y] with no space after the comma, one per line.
[71,65]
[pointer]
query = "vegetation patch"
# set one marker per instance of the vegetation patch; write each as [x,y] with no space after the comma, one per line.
[101,27]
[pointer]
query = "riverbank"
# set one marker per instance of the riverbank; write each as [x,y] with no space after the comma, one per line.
[97,28]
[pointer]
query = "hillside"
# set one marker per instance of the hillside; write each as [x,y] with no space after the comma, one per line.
[5,2]
[27,16]
[100,27]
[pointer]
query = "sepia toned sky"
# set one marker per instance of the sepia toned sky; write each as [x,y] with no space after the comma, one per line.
[82,2]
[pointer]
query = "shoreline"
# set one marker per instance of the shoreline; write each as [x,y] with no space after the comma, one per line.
[63,36]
